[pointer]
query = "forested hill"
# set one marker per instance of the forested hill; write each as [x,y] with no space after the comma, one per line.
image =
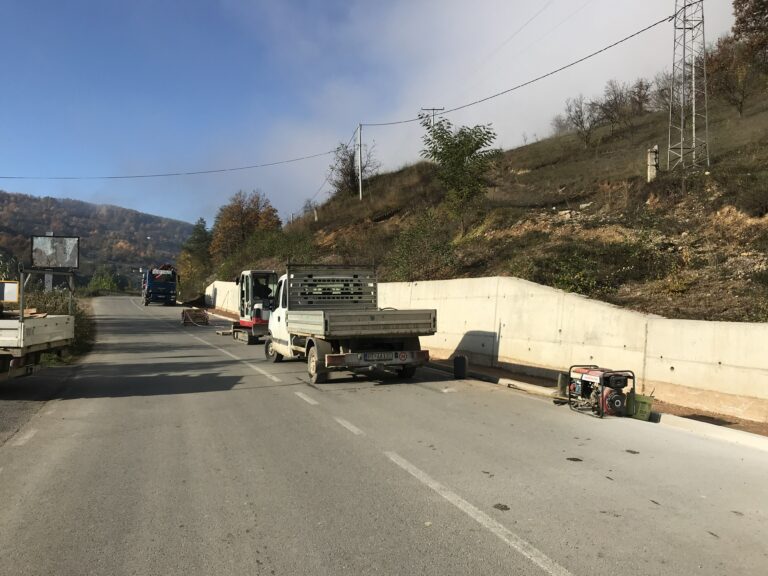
[109,235]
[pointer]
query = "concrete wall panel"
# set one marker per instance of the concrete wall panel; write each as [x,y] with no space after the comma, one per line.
[718,366]
[222,296]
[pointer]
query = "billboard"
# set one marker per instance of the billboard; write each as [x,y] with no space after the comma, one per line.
[55,252]
[9,292]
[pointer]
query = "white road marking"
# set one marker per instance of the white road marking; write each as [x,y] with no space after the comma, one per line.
[24,438]
[251,366]
[307,399]
[448,390]
[349,426]
[51,411]
[502,532]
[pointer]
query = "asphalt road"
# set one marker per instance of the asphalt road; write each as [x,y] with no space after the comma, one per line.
[172,450]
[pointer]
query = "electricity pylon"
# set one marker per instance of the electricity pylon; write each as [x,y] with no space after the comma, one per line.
[688,125]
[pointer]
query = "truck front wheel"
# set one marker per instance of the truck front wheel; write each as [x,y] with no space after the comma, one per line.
[316,374]
[270,353]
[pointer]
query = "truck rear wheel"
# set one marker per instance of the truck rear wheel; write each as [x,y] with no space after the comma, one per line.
[270,353]
[316,374]
[407,371]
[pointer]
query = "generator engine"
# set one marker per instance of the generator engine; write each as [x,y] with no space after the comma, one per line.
[599,391]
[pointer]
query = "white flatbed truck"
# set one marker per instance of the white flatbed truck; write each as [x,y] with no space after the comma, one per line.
[24,337]
[329,315]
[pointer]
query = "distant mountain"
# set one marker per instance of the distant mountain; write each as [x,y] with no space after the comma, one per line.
[109,235]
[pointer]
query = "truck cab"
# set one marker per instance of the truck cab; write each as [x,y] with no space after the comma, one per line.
[159,285]
[257,290]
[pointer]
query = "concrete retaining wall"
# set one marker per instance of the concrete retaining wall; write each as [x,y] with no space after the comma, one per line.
[222,296]
[718,366]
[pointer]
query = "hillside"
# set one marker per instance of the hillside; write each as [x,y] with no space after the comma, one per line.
[109,235]
[583,220]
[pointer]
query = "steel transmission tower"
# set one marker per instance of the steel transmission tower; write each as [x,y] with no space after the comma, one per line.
[688,126]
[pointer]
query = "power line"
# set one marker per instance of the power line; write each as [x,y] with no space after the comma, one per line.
[534,80]
[169,174]
[516,32]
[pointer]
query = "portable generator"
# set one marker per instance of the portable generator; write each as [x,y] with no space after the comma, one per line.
[600,391]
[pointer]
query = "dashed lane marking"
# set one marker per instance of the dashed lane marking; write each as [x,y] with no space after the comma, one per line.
[307,399]
[502,532]
[349,426]
[234,357]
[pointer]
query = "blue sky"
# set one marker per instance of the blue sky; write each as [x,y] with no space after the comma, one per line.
[107,87]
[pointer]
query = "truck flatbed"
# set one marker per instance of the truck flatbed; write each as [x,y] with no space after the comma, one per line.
[371,323]
[35,334]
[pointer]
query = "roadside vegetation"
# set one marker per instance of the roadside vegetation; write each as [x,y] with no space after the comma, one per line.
[571,211]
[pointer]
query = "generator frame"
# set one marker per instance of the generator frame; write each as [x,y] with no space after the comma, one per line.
[606,373]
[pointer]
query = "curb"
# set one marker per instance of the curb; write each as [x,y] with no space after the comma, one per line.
[711,431]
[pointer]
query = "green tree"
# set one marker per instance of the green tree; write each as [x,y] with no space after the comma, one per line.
[236,221]
[463,157]
[422,251]
[103,280]
[194,262]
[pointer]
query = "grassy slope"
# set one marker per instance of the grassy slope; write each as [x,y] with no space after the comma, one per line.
[585,220]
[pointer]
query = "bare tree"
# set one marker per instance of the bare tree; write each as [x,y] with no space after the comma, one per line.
[560,125]
[584,116]
[616,107]
[734,73]
[640,96]
[344,173]
[660,93]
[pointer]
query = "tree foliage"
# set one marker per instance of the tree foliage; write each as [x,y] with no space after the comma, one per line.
[235,222]
[463,157]
[422,251]
[751,25]
[735,75]
[194,262]
[103,280]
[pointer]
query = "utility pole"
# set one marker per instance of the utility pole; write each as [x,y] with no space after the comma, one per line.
[433,110]
[360,160]
[688,123]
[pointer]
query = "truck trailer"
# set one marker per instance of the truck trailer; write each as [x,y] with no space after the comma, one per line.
[329,316]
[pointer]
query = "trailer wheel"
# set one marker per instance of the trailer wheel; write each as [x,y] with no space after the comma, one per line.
[407,372]
[269,352]
[316,375]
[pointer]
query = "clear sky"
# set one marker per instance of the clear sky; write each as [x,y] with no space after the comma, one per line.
[113,87]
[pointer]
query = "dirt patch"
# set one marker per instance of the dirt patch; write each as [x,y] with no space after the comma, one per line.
[712,418]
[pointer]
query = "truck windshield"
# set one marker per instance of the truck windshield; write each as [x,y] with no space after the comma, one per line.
[162,276]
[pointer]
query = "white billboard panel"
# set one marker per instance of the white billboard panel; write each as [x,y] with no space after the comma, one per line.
[55,252]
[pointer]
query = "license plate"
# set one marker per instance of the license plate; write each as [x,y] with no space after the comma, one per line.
[377,356]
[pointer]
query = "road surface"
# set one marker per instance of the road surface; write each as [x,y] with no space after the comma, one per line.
[176,451]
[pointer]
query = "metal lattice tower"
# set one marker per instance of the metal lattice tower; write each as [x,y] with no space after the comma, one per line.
[688,125]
